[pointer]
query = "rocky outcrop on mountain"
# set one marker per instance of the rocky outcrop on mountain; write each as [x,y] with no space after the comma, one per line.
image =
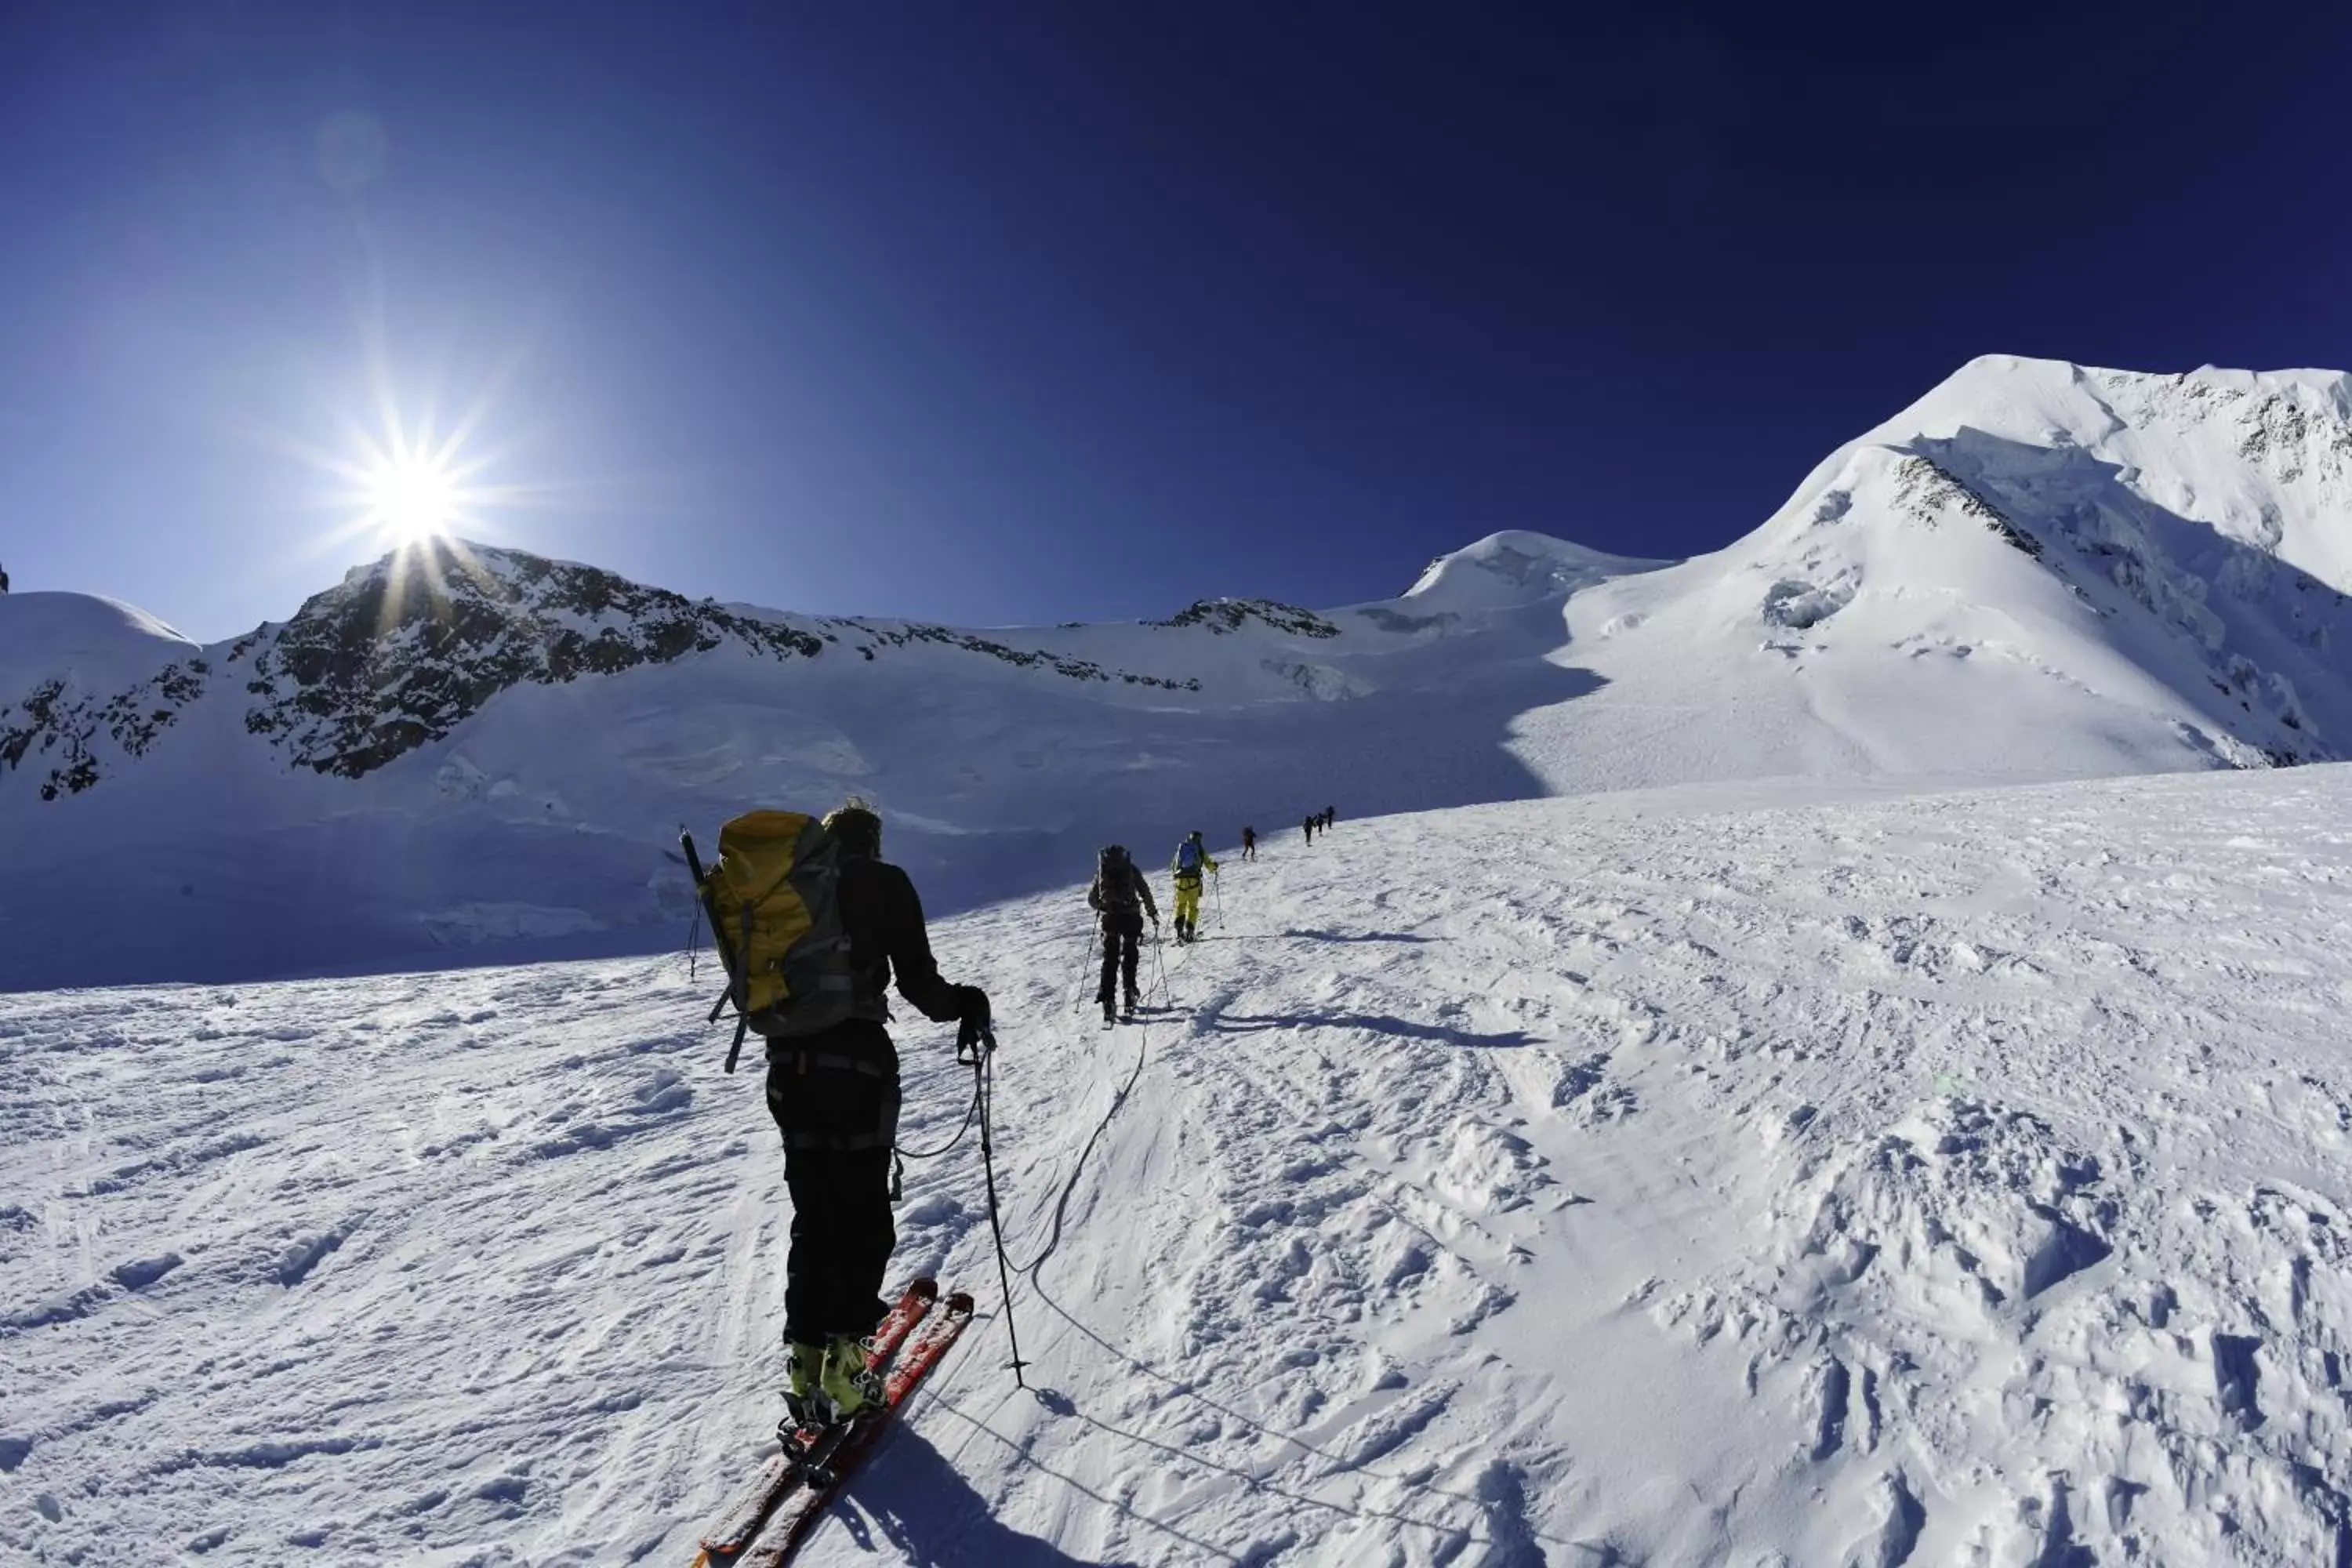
[1924,489]
[403,650]
[60,725]
[1223,618]
[910,634]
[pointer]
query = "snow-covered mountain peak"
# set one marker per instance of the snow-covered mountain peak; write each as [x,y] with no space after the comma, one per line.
[408,647]
[1514,567]
[44,629]
[2264,458]
[2037,566]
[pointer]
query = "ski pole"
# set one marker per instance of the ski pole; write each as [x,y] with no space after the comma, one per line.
[985,1085]
[1217,884]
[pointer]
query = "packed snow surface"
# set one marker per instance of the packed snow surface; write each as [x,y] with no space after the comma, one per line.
[1668,1178]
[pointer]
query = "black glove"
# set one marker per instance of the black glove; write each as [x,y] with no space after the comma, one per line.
[972,1003]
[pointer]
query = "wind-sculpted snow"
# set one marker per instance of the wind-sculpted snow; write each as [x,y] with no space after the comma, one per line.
[1656,1179]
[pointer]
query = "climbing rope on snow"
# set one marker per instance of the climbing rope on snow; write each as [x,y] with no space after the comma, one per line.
[1093,934]
[1070,1186]
[1160,972]
[975,1049]
[984,1077]
[898,1157]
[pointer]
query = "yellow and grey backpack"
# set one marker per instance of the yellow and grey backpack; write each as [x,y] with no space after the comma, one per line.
[773,900]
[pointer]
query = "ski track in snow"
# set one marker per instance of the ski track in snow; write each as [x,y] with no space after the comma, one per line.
[1941,1179]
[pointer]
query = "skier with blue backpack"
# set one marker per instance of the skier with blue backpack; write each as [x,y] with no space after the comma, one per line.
[1192,860]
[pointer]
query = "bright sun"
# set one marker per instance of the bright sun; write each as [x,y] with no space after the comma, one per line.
[413,486]
[413,498]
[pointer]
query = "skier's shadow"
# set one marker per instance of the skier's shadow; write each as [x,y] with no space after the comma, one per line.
[927,1512]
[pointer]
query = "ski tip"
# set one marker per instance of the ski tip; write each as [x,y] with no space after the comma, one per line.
[960,1304]
[924,1286]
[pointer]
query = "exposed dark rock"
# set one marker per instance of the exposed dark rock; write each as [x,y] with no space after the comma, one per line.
[1224,617]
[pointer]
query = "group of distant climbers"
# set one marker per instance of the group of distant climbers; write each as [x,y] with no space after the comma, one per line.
[4,579]
[1121,900]
[1320,823]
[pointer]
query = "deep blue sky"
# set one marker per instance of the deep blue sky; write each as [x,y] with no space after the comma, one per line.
[996,313]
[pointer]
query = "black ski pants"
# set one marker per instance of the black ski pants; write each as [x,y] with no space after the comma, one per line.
[1122,940]
[835,1097]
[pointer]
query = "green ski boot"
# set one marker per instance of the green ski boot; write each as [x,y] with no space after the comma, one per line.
[847,1379]
[806,1404]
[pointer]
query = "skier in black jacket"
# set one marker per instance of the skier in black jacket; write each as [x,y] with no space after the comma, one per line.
[834,1096]
[1123,898]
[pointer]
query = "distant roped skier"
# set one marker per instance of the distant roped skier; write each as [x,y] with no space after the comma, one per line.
[1121,898]
[1192,860]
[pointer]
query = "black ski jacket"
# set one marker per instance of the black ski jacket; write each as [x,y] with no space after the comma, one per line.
[883,919]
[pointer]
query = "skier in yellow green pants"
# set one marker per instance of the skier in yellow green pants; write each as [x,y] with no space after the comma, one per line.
[1192,860]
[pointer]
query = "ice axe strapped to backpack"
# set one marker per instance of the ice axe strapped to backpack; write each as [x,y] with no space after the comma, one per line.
[773,901]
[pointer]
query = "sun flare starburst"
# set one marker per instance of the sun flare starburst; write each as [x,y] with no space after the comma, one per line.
[405,489]
[413,499]
[418,491]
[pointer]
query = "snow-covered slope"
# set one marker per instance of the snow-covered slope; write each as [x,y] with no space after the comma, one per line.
[2037,568]
[100,640]
[1949,1179]
[2262,459]
[2038,571]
